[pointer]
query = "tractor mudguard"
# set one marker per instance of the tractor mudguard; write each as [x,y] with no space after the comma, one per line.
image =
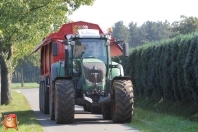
[57,70]
[116,67]
[53,71]
[120,78]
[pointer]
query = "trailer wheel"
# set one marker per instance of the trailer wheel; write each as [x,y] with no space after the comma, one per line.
[106,112]
[40,104]
[45,98]
[51,101]
[41,96]
[122,110]
[64,101]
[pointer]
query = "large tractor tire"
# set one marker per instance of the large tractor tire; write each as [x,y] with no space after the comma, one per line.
[44,98]
[106,112]
[64,101]
[122,110]
[51,101]
[88,106]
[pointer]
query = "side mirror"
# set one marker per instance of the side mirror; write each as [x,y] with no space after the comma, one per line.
[55,49]
[126,49]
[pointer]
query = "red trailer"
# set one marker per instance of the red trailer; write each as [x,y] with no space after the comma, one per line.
[69,28]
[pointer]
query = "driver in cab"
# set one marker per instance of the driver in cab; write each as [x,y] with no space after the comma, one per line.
[89,49]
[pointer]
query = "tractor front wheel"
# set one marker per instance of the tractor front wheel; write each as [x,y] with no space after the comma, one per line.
[64,101]
[122,110]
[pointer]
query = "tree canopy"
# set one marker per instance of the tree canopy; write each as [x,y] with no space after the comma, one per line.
[23,24]
[185,25]
[153,31]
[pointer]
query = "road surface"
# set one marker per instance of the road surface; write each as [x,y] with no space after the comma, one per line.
[83,121]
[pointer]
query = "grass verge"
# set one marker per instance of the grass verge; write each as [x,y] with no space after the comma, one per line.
[26,85]
[25,116]
[152,115]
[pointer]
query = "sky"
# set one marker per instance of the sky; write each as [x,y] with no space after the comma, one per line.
[107,12]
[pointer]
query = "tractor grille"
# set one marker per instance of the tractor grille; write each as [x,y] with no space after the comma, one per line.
[94,71]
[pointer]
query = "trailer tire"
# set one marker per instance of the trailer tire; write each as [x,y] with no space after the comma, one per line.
[40,95]
[122,110]
[106,112]
[64,101]
[51,101]
[45,99]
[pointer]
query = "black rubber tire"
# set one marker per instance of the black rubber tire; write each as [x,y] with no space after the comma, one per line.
[122,110]
[40,95]
[64,101]
[88,105]
[85,107]
[96,109]
[45,98]
[106,112]
[51,101]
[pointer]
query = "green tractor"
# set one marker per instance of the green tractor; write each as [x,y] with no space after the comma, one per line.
[88,77]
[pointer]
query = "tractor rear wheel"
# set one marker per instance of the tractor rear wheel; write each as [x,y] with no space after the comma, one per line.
[64,101]
[122,110]
[106,112]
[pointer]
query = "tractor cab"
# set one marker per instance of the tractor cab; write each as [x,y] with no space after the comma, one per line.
[90,56]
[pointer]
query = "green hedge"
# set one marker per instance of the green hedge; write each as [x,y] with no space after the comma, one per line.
[166,69]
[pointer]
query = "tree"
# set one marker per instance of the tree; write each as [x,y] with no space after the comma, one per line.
[154,31]
[186,25]
[28,70]
[120,31]
[23,24]
[133,31]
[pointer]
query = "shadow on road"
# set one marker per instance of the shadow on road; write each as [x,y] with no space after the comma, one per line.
[78,119]
[81,112]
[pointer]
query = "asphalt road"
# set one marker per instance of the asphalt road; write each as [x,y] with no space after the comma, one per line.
[83,122]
